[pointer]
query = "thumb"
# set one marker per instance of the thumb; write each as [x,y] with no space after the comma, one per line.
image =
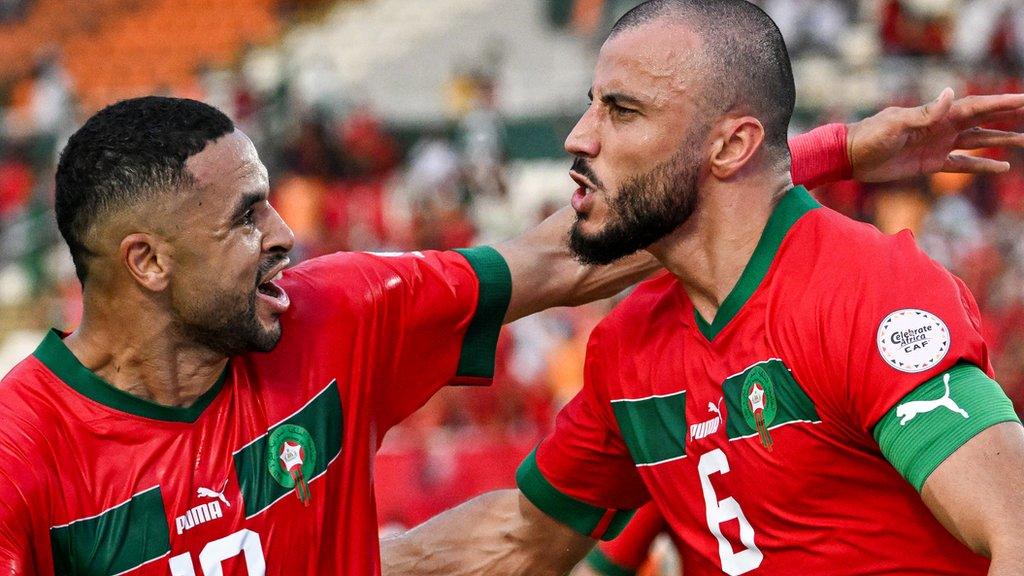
[933,111]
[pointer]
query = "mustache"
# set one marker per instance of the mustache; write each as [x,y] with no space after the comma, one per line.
[268,265]
[581,166]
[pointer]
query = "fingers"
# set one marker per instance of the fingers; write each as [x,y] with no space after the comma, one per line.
[930,113]
[961,163]
[1004,117]
[973,138]
[971,109]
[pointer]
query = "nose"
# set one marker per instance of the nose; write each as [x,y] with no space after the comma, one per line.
[279,237]
[583,140]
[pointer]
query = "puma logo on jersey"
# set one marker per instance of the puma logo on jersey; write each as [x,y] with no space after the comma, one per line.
[208,493]
[908,410]
[707,427]
[204,512]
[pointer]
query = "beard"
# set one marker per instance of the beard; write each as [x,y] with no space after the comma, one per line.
[230,325]
[647,208]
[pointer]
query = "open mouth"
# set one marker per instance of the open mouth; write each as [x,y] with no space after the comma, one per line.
[270,288]
[272,294]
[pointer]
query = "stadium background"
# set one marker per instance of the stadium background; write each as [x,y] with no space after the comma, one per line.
[410,124]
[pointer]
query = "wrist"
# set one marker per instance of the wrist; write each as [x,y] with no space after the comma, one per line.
[822,156]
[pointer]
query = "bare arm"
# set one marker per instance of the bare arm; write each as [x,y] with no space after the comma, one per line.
[544,273]
[976,495]
[498,533]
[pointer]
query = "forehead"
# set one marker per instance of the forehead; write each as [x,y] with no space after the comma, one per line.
[227,164]
[655,61]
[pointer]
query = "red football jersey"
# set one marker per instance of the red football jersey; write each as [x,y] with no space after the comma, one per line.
[270,472]
[753,434]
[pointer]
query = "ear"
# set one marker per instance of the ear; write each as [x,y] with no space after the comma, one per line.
[148,259]
[738,140]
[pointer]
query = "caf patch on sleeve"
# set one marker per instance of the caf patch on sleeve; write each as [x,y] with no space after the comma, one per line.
[912,340]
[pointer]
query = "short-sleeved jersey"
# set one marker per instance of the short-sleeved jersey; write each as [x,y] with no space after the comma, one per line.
[753,434]
[270,472]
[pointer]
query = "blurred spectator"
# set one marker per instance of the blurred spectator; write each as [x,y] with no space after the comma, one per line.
[16,180]
[989,29]
[11,10]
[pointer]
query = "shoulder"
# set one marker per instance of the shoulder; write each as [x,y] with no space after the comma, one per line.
[32,423]
[835,265]
[641,313]
[27,401]
[366,276]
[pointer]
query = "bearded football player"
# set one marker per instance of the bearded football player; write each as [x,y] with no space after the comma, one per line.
[859,427]
[217,413]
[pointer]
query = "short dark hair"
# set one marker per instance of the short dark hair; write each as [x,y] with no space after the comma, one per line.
[746,61]
[126,154]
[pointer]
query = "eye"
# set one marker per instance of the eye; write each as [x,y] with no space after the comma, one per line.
[621,112]
[249,218]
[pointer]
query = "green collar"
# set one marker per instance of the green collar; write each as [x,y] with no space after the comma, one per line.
[54,354]
[796,202]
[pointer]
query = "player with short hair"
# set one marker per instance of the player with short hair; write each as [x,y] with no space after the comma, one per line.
[798,393]
[216,413]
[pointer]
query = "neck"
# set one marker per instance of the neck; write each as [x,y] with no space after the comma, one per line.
[146,359]
[709,252]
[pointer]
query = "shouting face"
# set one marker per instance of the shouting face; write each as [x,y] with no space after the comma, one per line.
[639,146]
[229,251]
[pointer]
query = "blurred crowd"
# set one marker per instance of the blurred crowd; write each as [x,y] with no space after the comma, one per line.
[346,180]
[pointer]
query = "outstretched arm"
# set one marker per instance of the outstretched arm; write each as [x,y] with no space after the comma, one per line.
[495,534]
[544,273]
[899,143]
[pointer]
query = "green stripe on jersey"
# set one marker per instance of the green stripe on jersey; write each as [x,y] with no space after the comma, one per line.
[600,563]
[654,428]
[938,417]
[784,400]
[316,427]
[119,539]
[580,516]
[481,340]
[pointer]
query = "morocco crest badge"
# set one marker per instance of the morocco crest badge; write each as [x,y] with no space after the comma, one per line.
[757,396]
[291,459]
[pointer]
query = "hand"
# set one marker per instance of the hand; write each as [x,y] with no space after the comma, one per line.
[899,143]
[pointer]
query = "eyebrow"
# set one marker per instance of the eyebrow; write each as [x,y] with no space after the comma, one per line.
[248,200]
[617,98]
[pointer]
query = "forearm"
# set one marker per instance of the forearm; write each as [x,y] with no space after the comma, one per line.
[498,533]
[544,273]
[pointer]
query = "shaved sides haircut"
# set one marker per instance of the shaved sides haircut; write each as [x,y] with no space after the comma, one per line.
[123,156]
[745,61]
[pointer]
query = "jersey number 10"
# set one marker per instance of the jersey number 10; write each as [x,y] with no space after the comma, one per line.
[721,511]
[244,542]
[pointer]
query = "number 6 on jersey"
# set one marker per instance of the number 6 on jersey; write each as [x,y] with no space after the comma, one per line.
[720,511]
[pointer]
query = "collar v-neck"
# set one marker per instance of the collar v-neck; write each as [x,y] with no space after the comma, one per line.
[56,356]
[795,203]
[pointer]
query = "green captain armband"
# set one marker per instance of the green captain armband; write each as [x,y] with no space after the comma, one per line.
[938,417]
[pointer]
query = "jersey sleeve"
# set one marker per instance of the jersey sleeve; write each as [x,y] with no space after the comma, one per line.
[624,555]
[820,156]
[442,315]
[582,474]
[874,323]
[423,320]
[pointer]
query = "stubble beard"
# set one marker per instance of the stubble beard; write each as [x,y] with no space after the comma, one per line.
[231,330]
[647,208]
[229,324]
